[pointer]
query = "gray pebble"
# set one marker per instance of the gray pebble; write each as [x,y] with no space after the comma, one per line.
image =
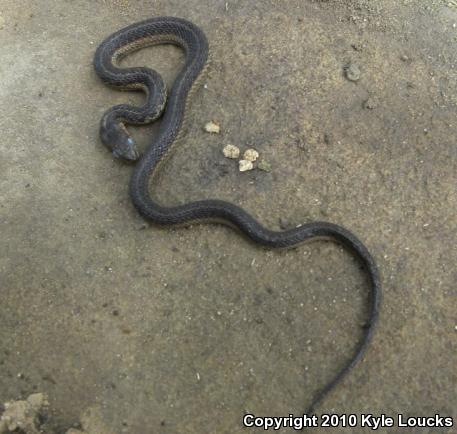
[284,223]
[370,103]
[352,72]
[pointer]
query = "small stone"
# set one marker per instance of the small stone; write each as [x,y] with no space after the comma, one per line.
[264,165]
[245,165]
[329,138]
[23,415]
[37,400]
[2,22]
[231,151]
[284,223]
[212,127]
[251,155]
[352,72]
[370,103]
[357,47]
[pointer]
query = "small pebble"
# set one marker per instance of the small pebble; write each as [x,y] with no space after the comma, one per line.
[264,165]
[251,155]
[284,223]
[357,47]
[212,127]
[231,151]
[370,104]
[352,72]
[245,165]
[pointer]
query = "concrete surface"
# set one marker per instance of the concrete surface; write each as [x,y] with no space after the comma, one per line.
[182,331]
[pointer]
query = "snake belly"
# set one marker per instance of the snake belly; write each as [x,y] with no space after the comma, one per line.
[186,35]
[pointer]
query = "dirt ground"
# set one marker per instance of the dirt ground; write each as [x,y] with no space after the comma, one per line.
[185,330]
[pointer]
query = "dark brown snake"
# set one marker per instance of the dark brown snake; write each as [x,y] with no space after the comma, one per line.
[177,31]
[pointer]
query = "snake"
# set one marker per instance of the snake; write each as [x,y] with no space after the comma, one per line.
[170,106]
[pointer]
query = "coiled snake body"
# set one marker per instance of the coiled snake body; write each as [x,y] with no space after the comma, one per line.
[170,30]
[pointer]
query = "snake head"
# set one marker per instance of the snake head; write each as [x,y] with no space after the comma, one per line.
[115,137]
